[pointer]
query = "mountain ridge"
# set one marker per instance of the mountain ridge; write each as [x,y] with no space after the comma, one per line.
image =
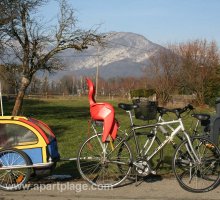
[125,54]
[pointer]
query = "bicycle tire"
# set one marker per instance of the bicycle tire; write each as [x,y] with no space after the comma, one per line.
[197,177]
[144,138]
[104,171]
[14,179]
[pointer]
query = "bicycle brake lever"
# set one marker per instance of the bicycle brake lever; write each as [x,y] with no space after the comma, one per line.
[190,107]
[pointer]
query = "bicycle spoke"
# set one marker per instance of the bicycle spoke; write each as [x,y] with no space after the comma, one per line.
[13,179]
[113,166]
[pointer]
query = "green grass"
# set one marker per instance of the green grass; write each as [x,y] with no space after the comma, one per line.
[69,121]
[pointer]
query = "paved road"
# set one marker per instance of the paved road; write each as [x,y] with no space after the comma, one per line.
[152,189]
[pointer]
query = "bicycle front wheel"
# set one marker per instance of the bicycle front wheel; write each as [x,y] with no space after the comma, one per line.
[196,176]
[104,164]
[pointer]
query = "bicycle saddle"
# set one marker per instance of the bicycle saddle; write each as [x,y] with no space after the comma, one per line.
[201,116]
[127,107]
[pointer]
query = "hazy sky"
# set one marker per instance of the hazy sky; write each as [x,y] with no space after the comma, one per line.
[161,21]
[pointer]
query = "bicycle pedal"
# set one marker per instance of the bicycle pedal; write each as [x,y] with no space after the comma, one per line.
[153,172]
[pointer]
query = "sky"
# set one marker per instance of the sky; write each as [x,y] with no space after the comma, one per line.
[161,21]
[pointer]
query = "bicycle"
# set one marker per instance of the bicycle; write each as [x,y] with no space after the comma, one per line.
[185,139]
[195,161]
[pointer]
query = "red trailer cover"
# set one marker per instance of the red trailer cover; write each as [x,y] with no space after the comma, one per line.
[103,112]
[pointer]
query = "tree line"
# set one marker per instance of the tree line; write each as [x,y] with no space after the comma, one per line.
[187,68]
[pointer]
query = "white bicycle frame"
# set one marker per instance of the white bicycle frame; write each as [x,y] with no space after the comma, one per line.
[168,139]
[161,124]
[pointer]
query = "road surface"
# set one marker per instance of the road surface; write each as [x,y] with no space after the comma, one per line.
[151,189]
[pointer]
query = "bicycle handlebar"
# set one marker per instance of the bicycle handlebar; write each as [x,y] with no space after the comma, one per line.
[177,111]
[161,110]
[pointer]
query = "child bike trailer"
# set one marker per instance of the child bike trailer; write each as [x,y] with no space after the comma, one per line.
[27,147]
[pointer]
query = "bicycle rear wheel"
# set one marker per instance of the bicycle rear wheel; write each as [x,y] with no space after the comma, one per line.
[104,164]
[193,176]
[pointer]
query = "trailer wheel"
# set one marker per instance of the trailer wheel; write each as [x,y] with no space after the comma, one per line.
[14,179]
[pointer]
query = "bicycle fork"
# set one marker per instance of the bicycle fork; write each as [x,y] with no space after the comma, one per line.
[193,156]
[191,150]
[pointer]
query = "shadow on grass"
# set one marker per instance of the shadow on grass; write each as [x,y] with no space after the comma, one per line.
[9,104]
[60,110]
[67,168]
[58,129]
[65,171]
[70,168]
[57,111]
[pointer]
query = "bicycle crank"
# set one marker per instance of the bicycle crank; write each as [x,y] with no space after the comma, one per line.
[143,168]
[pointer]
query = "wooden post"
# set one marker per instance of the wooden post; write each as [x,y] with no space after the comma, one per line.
[97,76]
[1,99]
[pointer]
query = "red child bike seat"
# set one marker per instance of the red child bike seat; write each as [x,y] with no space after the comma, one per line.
[103,112]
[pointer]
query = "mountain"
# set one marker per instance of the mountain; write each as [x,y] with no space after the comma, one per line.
[125,54]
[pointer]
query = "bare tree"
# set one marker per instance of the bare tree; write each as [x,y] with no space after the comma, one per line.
[35,46]
[35,86]
[8,10]
[199,72]
[163,72]
[67,82]
[10,75]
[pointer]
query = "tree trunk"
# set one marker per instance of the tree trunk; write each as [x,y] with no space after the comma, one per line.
[20,96]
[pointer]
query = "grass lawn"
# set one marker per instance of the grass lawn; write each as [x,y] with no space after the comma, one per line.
[69,121]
